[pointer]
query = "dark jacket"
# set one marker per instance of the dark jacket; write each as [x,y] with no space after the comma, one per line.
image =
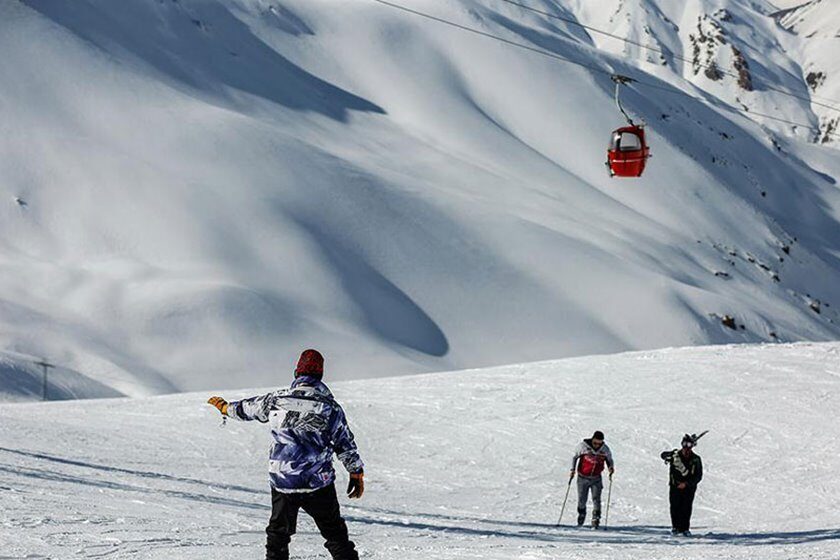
[684,469]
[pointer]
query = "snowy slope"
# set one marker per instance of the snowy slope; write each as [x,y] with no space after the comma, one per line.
[22,378]
[192,191]
[459,465]
[817,25]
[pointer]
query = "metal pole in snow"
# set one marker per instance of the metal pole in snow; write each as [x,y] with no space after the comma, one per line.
[563,509]
[46,365]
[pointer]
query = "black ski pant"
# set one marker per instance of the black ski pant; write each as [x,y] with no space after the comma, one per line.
[322,506]
[681,503]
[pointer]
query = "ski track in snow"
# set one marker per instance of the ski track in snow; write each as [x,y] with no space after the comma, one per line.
[459,465]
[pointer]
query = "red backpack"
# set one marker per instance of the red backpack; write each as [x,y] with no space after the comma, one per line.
[591,464]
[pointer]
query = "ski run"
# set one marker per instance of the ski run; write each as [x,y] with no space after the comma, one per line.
[461,465]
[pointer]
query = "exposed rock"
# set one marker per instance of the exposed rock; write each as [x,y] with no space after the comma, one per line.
[705,43]
[723,15]
[743,68]
[713,72]
[815,80]
[828,130]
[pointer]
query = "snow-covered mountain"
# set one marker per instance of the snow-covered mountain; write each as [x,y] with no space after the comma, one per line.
[458,466]
[192,191]
[734,52]
[817,24]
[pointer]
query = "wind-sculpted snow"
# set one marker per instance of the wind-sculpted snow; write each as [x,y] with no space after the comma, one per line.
[192,192]
[459,465]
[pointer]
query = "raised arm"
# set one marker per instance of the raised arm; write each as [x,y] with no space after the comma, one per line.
[254,408]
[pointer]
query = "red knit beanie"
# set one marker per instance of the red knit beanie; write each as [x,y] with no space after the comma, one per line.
[311,363]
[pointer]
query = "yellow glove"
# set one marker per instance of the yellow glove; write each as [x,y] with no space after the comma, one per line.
[219,403]
[357,485]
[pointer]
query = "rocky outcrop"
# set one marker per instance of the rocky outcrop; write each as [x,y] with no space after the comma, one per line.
[708,55]
[742,67]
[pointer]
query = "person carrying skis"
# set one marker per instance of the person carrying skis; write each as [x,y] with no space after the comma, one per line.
[686,472]
[307,426]
[588,464]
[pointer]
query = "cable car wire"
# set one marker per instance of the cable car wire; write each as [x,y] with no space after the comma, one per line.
[666,52]
[590,67]
[492,36]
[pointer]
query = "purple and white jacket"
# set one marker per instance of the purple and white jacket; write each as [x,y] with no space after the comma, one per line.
[308,426]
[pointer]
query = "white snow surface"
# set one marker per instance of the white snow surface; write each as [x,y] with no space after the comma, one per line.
[469,464]
[193,191]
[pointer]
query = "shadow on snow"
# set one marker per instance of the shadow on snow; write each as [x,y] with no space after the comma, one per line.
[205,47]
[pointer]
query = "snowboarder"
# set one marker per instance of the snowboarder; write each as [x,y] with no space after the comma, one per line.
[588,464]
[686,474]
[308,426]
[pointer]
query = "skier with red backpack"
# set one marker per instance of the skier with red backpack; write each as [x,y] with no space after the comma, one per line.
[588,463]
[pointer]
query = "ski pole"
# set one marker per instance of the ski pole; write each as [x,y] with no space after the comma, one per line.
[562,509]
[609,497]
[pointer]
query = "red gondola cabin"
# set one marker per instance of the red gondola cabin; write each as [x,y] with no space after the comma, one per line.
[628,152]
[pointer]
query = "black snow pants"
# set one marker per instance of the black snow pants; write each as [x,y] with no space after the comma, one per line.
[681,504]
[322,506]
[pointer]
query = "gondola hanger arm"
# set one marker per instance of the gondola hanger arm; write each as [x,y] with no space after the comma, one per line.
[621,80]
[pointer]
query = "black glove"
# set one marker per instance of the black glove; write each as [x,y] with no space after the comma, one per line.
[357,485]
